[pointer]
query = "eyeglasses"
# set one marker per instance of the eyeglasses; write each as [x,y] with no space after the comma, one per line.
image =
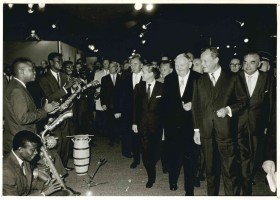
[233,65]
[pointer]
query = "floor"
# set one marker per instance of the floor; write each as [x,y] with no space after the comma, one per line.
[115,178]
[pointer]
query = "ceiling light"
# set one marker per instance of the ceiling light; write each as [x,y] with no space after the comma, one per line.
[142,34]
[234,47]
[53,26]
[41,5]
[228,46]
[133,54]
[143,41]
[33,36]
[235,54]
[10,5]
[218,47]
[91,47]
[30,5]
[149,7]
[96,50]
[241,23]
[246,40]
[138,6]
[134,50]
[30,10]
[145,26]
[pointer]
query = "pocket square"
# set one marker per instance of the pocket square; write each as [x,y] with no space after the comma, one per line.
[158,96]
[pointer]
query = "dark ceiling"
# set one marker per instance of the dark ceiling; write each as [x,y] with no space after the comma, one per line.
[114,28]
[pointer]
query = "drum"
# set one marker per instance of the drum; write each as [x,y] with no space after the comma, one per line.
[81,153]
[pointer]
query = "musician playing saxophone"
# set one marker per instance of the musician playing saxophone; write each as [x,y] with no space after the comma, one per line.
[19,177]
[56,86]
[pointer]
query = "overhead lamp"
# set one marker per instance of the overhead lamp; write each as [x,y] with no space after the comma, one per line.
[41,5]
[149,7]
[145,26]
[134,50]
[30,10]
[138,6]
[54,26]
[33,36]
[133,54]
[273,36]
[141,35]
[218,47]
[228,46]
[234,47]
[143,41]
[95,50]
[235,54]
[246,40]
[10,5]
[91,47]
[30,5]
[241,23]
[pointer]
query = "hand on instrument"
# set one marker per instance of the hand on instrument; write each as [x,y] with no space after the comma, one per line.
[50,107]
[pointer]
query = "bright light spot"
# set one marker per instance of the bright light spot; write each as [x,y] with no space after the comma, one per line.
[242,24]
[89,193]
[53,26]
[129,180]
[96,50]
[30,10]
[143,41]
[41,5]
[235,54]
[91,47]
[228,46]
[32,31]
[10,5]
[30,5]
[134,50]
[138,6]
[141,35]
[218,47]
[144,27]
[246,40]
[234,47]
[133,54]
[149,7]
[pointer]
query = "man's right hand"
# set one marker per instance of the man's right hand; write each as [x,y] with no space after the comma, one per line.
[49,107]
[268,166]
[196,137]
[134,128]
[52,187]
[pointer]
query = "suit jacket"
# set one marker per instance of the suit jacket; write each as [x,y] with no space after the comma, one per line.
[109,93]
[15,183]
[126,98]
[146,114]
[256,116]
[20,112]
[228,91]
[98,76]
[173,113]
[50,87]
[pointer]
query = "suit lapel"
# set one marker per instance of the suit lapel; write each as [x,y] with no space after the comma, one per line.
[259,83]
[244,79]
[218,86]
[154,92]
[208,85]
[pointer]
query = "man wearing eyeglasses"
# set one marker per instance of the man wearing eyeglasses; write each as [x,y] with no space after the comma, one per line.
[235,65]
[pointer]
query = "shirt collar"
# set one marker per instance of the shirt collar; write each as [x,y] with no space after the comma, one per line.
[152,83]
[20,82]
[138,74]
[255,74]
[185,78]
[216,73]
[18,159]
[54,73]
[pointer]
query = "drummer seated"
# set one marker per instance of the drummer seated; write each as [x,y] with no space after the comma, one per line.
[19,178]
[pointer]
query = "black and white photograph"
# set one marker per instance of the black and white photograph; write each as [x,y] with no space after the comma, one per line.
[139,99]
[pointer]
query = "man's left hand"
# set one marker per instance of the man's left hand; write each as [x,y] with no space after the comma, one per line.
[187,106]
[222,112]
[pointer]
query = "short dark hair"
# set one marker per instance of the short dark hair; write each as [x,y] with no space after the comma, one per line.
[166,62]
[153,69]
[137,56]
[18,61]
[214,51]
[52,55]
[65,63]
[22,137]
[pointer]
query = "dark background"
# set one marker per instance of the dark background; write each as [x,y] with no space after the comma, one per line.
[175,28]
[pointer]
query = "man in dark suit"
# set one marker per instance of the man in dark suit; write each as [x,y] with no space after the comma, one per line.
[110,85]
[130,140]
[19,178]
[20,111]
[217,98]
[146,119]
[253,121]
[177,116]
[56,87]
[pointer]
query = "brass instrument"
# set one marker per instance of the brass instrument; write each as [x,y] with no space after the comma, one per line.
[50,127]
[66,104]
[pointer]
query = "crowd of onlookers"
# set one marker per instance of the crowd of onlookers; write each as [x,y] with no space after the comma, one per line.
[189,111]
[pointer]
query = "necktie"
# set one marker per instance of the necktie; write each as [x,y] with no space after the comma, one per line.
[114,79]
[58,78]
[250,85]
[213,80]
[149,91]
[181,86]
[23,168]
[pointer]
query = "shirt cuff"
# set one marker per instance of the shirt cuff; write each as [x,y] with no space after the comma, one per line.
[229,111]
[196,129]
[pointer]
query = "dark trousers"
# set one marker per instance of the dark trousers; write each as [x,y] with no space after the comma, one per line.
[63,145]
[113,127]
[163,155]
[200,168]
[150,143]
[250,154]
[220,156]
[101,123]
[181,151]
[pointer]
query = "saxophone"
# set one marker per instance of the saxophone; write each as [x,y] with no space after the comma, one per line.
[50,127]
[66,104]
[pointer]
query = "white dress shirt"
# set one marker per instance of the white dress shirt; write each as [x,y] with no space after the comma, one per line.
[55,76]
[136,78]
[19,161]
[151,87]
[254,79]
[185,80]
[20,82]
